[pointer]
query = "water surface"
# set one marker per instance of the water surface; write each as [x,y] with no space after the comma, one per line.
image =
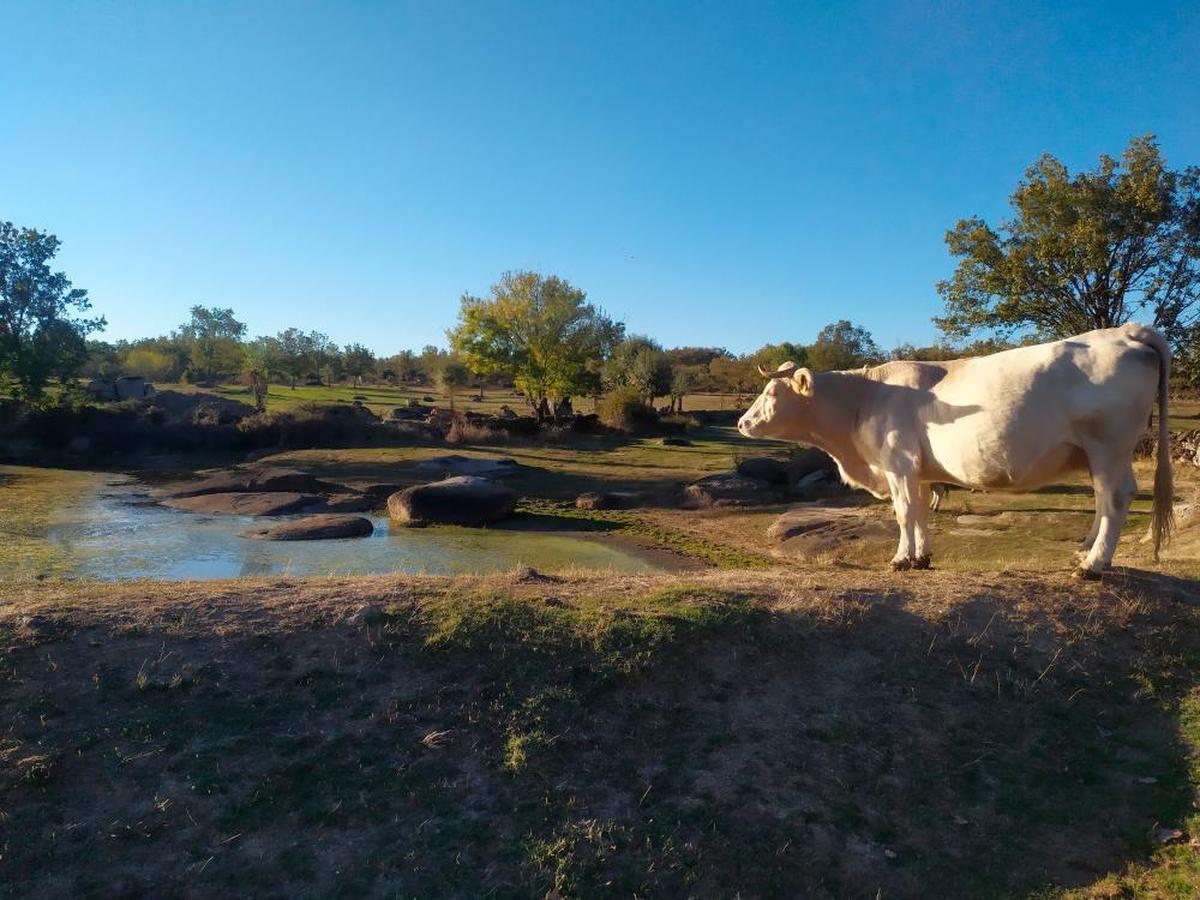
[68,524]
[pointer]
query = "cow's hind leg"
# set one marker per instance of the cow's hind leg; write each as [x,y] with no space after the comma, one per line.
[1115,487]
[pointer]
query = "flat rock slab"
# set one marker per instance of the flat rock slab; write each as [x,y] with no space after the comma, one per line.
[812,529]
[454,464]
[258,481]
[608,500]
[266,503]
[314,528]
[462,500]
[730,489]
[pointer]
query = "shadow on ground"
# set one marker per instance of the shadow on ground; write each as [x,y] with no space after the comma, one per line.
[667,741]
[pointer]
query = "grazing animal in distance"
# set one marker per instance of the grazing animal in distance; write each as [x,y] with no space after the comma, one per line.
[1017,419]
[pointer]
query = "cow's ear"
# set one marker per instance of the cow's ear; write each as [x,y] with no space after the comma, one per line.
[802,381]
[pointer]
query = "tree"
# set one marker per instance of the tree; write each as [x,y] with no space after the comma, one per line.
[358,361]
[1083,252]
[264,357]
[539,331]
[842,345]
[213,337]
[40,337]
[736,374]
[321,352]
[148,362]
[772,355]
[453,376]
[295,349]
[639,363]
[684,380]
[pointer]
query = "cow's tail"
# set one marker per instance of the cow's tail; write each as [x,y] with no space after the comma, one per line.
[1163,516]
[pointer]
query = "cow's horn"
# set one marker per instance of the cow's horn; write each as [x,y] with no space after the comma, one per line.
[784,371]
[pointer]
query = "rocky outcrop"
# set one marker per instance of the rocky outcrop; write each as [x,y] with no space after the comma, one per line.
[314,528]
[263,503]
[257,481]
[462,500]
[814,528]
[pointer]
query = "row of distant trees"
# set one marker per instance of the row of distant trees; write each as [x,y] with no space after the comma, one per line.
[1082,251]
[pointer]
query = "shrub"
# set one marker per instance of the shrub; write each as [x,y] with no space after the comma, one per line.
[625,410]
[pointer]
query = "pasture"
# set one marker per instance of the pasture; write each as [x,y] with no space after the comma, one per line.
[764,720]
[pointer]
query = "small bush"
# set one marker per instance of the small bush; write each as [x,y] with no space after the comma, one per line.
[626,410]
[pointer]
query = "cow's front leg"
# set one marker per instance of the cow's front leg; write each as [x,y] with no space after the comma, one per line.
[922,546]
[905,499]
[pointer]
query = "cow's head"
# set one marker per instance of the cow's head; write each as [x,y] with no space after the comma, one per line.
[781,404]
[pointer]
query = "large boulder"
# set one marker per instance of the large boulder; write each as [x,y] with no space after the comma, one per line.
[314,528]
[730,489]
[263,503]
[462,500]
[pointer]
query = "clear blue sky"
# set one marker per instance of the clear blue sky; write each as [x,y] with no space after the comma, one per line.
[711,173]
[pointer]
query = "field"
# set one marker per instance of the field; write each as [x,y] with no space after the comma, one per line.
[382,399]
[766,723]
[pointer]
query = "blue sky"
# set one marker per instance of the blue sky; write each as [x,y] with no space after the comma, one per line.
[711,173]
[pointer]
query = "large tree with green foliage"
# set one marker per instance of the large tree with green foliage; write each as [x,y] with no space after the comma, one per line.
[1083,251]
[540,331]
[639,363]
[842,345]
[41,339]
[213,337]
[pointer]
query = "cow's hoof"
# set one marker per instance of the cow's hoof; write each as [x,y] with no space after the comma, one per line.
[922,562]
[901,565]
[1085,574]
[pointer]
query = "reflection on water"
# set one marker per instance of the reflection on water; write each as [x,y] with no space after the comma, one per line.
[92,525]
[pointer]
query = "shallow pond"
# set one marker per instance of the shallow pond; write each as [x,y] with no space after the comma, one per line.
[66,524]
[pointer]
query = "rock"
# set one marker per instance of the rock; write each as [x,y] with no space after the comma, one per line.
[315,528]
[812,529]
[730,489]
[256,480]
[1185,447]
[360,397]
[264,503]
[812,479]
[462,500]
[608,500]
[133,387]
[368,614]
[101,391]
[974,519]
[676,442]
[765,468]
[812,459]
[378,492]
[351,503]
[455,464]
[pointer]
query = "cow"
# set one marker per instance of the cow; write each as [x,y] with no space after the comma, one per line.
[1014,420]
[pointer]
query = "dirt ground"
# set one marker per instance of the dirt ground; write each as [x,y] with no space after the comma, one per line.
[726,733]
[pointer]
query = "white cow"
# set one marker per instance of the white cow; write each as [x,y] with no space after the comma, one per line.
[1016,420]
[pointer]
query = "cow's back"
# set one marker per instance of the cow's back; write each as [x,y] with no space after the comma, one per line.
[1023,416]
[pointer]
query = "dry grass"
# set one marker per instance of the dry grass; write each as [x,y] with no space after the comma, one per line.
[773,733]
